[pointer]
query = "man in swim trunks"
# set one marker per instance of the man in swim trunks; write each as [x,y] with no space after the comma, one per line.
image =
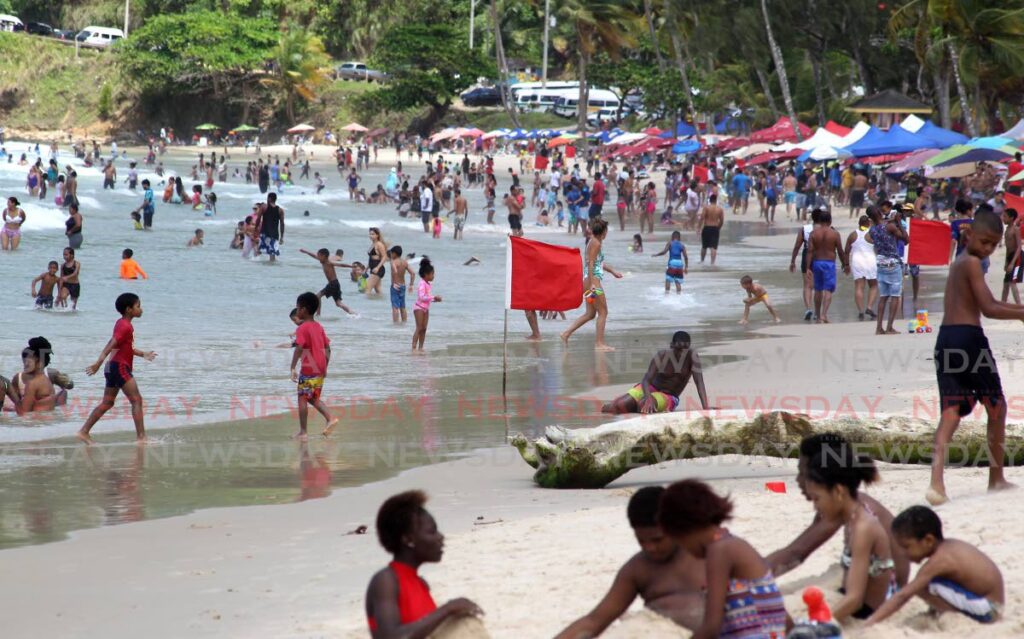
[460,212]
[712,218]
[823,245]
[399,270]
[667,375]
[271,222]
[668,579]
[333,288]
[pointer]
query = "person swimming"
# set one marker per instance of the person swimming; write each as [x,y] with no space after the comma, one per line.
[33,389]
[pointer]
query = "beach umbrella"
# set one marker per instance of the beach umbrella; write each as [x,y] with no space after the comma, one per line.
[354,127]
[207,127]
[686,146]
[951,171]
[968,153]
[496,133]
[380,131]
[992,142]
[245,128]
[301,128]
[471,133]
[913,161]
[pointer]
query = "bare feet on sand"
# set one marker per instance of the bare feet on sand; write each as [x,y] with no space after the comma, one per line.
[533,338]
[565,338]
[936,497]
[301,436]
[1001,485]
[603,348]
[84,438]
[743,322]
[330,426]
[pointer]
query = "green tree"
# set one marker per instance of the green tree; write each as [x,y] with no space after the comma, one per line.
[105,105]
[196,53]
[299,63]
[429,64]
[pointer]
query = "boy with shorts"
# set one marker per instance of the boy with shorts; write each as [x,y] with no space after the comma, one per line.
[964,363]
[755,295]
[461,211]
[1013,271]
[47,281]
[313,348]
[399,269]
[955,576]
[333,288]
[118,371]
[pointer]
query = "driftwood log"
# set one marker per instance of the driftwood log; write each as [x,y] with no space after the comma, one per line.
[594,457]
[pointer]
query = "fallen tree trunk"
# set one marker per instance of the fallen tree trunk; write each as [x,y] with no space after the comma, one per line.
[594,457]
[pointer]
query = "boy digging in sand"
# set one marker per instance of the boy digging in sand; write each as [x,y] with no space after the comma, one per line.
[755,294]
[964,363]
[955,577]
[313,347]
[118,371]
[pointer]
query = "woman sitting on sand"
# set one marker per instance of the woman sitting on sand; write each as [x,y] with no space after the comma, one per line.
[32,389]
[869,579]
[398,600]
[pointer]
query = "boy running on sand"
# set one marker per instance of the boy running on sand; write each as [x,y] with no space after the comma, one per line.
[670,580]
[399,270]
[313,348]
[964,363]
[118,371]
[47,281]
[333,288]
[955,577]
[755,294]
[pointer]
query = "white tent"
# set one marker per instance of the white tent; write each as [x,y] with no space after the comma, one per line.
[821,137]
[826,152]
[628,138]
[1017,132]
[912,123]
[747,151]
[859,131]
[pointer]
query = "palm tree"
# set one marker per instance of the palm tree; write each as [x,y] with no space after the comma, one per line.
[649,16]
[599,25]
[678,49]
[499,53]
[780,69]
[299,63]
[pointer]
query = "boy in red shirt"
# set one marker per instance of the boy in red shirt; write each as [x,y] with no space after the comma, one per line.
[313,347]
[118,371]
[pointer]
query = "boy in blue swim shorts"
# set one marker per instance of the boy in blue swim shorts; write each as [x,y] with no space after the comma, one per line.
[955,576]
[823,246]
[399,270]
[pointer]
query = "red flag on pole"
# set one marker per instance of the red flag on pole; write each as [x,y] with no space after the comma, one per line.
[1014,202]
[929,243]
[542,277]
[700,173]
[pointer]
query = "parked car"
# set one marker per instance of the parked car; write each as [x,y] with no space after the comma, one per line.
[39,28]
[99,36]
[64,34]
[481,96]
[10,23]
[359,71]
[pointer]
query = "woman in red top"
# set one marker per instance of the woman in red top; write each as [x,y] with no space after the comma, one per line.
[398,600]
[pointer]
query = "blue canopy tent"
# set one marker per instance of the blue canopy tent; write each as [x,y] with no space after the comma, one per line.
[518,134]
[685,146]
[943,137]
[605,136]
[729,124]
[682,131]
[896,140]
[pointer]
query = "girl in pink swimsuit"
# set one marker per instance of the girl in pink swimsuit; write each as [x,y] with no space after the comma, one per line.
[424,296]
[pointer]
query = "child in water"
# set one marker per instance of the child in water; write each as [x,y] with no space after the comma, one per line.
[130,269]
[195,240]
[313,351]
[755,295]
[424,297]
[638,244]
[47,281]
[210,204]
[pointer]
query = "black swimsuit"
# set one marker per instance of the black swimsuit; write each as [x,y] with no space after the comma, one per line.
[374,266]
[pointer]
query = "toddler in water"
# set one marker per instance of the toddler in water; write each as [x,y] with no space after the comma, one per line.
[137,219]
[424,297]
[638,244]
[755,294]
[210,204]
[742,598]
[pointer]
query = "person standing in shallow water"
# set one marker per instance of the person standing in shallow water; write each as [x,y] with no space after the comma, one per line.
[593,288]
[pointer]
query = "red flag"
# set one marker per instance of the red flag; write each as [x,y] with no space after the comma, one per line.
[542,277]
[700,173]
[540,163]
[929,243]
[1014,202]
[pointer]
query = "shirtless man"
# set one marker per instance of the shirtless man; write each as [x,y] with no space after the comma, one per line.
[1013,268]
[109,175]
[823,246]
[668,579]
[515,211]
[710,223]
[860,186]
[800,248]
[460,212]
[333,288]
[667,375]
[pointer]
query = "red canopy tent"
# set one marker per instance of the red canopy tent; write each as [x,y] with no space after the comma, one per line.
[643,146]
[733,143]
[878,159]
[653,131]
[838,129]
[781,131]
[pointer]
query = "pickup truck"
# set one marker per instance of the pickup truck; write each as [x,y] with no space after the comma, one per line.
[359,71]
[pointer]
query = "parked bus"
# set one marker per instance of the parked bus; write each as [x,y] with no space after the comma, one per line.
[597,99]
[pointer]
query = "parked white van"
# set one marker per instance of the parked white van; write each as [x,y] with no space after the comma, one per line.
[520,87]
[10,23]
[542,100]
[596,99]
[99,36]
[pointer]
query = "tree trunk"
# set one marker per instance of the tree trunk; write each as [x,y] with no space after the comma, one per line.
[818,97]
[954,57]
[289,107]
[677,52]
[499,53]
[766,86]
[940,79]
[649,14]
[780,69]
[866,79]
[584,95]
